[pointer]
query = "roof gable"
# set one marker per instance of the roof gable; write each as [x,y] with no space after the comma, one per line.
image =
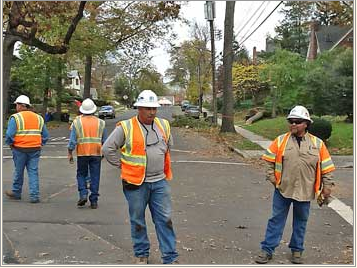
[328,36]
[73,74]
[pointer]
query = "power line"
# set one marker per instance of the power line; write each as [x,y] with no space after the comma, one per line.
[246,13]
[261,23]
[241,28]
[255,21]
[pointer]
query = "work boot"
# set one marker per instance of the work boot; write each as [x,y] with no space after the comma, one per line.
[34,201]
[82,201]
[263,257]
[141,260]
[296,257]
[175,262]
[94,205]
[12,195]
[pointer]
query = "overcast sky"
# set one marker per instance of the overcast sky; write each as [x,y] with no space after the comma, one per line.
[244,11]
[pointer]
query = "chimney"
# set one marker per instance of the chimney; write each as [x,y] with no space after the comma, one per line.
[312,51]
[254,56]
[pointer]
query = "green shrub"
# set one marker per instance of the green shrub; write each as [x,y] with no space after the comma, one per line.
[321,128]
[246,104]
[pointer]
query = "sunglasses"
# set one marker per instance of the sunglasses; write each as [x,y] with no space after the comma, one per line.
[296,122]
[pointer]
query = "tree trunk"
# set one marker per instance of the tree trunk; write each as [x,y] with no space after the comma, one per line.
[199,86]
[45,93]
[45,101]
[87,77]
[228,112]
[59,87]
[8,50]
[254,118]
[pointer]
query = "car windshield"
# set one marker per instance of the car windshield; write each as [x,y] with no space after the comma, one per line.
[191,107]
[106,108]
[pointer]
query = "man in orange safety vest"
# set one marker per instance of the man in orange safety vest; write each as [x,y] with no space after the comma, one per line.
[143,142]
[300,168]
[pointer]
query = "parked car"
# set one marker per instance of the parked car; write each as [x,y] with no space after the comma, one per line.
[193,111]
[106,111]
[184,104]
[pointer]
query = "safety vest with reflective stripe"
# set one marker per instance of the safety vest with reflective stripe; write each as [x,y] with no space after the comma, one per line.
[89,131]
[29,128]
[133,153]
[275,154]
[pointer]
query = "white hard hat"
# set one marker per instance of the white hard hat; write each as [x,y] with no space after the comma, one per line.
[300,112]
[88,107]
[22,99]
[147,98]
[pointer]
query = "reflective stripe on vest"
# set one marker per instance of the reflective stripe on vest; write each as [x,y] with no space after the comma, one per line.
[133,154]
[275,154]
[89,131]
[164,126]
[29,127]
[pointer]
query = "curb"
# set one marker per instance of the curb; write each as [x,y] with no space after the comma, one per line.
[240,152]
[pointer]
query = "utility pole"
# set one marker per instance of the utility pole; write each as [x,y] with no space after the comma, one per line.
[210,14]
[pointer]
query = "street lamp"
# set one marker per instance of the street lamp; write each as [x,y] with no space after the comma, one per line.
[210,14]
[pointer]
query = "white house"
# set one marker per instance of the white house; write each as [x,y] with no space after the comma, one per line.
[75,85]
[74,82]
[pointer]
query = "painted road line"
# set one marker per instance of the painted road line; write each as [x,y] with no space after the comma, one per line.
[342,209]
[62,191]
[57,138]
[210,162]
[182,151]
[42,157]
[48,144]
[177,161]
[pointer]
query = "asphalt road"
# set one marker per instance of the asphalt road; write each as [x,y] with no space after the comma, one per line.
[221,204]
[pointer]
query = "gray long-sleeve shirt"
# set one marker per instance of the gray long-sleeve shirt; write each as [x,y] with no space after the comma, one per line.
[156,148]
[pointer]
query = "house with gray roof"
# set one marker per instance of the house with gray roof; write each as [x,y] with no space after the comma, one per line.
[328,37]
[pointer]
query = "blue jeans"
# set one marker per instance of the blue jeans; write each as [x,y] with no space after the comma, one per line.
[91,164]
[277,222]
[157,196]
[30,161]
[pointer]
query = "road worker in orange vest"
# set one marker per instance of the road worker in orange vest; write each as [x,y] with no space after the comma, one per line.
[300,168]
[87,135]
[26,133]
[140,147]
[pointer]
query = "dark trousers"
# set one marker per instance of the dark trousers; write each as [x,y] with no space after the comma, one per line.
[91,165]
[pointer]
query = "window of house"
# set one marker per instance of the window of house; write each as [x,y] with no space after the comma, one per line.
[77,81]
